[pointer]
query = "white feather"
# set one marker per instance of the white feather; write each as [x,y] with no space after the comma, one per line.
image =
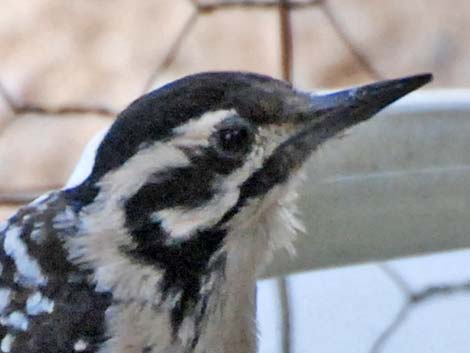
[28,268]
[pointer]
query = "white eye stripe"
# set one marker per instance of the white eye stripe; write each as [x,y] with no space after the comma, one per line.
[126,180]
[203,125]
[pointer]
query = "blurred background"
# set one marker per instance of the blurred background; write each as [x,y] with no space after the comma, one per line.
[67,67]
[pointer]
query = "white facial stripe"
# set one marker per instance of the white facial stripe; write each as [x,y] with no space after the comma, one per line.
[129,178]
[27,267]
[205,122]
[198,130]
[179,222]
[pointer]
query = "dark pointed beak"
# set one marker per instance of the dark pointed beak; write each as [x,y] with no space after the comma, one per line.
[332,113]
[339,110]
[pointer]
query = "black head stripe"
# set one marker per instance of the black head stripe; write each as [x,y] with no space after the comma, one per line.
[186,187]
[184,264]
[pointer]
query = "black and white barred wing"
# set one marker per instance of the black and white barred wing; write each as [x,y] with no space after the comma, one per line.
[47,304]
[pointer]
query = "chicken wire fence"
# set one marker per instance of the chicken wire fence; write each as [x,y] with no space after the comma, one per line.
[201,10]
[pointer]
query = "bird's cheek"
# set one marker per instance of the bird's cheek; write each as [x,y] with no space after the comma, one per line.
[181,223]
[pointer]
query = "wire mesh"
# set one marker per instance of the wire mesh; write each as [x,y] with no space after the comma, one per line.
[201,9]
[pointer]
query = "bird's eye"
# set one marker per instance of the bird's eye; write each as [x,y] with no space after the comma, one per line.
[234,137]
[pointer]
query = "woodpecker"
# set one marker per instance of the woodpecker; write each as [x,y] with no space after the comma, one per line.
[191,191]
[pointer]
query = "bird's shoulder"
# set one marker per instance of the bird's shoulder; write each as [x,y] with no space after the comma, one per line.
[46,302]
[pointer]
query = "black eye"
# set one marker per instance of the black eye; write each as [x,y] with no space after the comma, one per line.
[234,137]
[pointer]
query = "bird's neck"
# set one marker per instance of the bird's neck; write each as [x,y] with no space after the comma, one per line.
[231,317]
[221,316]
[214,307]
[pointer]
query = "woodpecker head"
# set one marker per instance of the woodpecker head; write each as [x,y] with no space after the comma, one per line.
[211,154]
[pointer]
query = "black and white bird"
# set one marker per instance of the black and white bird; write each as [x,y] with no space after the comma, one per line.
[158,250]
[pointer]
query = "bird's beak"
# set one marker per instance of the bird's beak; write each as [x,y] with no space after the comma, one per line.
[346,108]
[330,114]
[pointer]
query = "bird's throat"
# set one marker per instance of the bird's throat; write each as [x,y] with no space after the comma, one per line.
[229,324]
